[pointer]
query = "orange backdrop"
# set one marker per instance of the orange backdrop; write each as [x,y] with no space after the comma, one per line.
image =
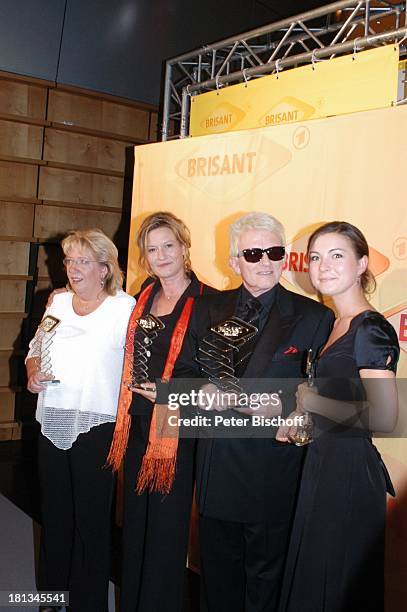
[350,167]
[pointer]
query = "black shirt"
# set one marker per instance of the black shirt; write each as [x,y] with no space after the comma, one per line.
[266,301]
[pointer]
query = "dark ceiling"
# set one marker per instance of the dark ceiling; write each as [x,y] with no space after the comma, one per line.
[271,10]
[118,46]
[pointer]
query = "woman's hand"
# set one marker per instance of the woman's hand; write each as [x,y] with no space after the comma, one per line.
[53,294]
[36,382]
[304,396]
[147,390]
[286,433]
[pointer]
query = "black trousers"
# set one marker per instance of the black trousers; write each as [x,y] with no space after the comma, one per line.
[241,565]
[76,497]
[155,531]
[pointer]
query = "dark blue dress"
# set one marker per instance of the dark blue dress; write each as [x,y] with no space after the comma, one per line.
[335,561]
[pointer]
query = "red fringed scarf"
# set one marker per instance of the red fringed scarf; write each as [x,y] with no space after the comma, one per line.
[158,466]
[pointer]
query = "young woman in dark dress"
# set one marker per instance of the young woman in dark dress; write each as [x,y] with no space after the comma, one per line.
[336,557]
[158,472]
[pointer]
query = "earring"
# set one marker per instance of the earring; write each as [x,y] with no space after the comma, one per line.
[102,282]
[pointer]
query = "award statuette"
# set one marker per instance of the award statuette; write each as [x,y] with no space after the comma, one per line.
[222,351]
[304,433]
[41,348]
[148,328]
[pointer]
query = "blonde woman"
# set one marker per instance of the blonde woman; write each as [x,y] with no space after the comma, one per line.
[77,416]
[158,472]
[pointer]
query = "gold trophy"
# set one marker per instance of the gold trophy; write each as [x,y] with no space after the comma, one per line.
[304,433]
[148,327]
[221,351]
[42,342]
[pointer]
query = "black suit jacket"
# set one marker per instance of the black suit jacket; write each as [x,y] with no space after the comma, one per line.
[245,479]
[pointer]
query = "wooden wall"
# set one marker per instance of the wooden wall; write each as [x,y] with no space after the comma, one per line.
[62,166]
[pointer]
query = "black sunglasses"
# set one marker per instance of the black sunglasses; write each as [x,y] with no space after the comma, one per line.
[275,253]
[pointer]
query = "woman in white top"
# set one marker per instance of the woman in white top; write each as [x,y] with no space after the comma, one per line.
[74,364]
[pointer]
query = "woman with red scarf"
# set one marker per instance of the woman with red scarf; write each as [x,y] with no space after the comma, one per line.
[158,471]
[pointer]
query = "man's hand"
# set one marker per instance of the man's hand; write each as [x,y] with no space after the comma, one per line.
[211,398]
[53,294]
[269,407]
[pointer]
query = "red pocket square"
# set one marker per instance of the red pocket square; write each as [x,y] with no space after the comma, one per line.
[291,350]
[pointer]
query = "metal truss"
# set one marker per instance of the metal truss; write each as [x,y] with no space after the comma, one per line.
[333,29]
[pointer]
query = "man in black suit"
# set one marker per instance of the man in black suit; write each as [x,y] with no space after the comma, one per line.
[246,487]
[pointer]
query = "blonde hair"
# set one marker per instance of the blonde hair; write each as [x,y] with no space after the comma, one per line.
[103,251]
[254,221]
[163,219]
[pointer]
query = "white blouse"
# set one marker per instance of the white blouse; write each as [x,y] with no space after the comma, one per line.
[86,355]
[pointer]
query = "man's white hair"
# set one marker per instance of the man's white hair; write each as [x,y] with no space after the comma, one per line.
[254,221]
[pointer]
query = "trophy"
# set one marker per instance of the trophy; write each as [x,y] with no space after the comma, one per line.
[304,433]
[221,352]
[148,328]
[41,347]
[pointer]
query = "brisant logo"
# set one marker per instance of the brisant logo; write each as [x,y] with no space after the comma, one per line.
[227,168]
[295,268]
[398,318]
[287,110]
[223,118]
[218,165]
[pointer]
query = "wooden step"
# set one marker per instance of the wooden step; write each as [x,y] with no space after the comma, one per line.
[10,430]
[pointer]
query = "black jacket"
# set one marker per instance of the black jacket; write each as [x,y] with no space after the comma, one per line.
[246,479]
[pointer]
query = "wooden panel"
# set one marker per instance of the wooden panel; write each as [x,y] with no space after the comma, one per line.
[10,330]
[7,406]
[80,187]
[153,133]
[17,180]
[90,93]
[16,219]
[20,140]
[51,221]
[82,150]
[14,257]
[100,115]
[12,296]
[22,100]
[10,431]
[4,369]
